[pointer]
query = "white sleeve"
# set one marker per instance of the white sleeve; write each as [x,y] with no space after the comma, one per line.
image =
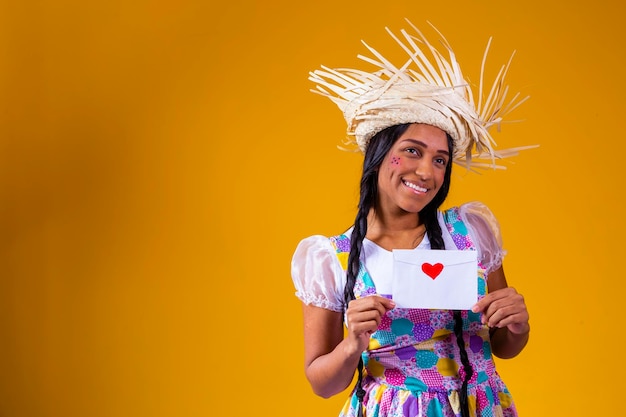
[484,230]
[317,274]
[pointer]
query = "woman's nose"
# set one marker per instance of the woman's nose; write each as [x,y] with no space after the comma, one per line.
[424,170]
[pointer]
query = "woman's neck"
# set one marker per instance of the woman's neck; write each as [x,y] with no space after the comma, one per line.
[395,232]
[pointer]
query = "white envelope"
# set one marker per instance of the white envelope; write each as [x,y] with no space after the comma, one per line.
[435,279]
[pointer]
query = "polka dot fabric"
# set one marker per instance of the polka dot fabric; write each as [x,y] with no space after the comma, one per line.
[413,366]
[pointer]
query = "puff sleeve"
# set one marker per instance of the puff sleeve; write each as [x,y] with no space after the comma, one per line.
[485,232]
[317,274]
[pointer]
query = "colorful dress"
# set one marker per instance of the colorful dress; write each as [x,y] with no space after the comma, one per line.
[412,365]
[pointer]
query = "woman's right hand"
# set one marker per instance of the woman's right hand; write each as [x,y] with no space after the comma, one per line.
[363,318]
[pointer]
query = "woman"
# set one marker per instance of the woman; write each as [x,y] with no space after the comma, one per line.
[411,124]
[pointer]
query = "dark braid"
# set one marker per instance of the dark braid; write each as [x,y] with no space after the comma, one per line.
[436,242]
[377,149]
[467,368]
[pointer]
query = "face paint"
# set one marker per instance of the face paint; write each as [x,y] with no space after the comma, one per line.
[395,160]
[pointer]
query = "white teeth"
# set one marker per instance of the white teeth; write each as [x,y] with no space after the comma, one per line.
[415,187]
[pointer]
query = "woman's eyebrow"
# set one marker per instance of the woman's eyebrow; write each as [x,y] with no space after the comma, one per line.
[419,142]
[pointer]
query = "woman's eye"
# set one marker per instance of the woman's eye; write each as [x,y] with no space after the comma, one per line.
[441,161]
[412,150]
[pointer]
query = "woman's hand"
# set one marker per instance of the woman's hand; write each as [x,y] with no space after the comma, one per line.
[504,311]
[363,318]
[504,307]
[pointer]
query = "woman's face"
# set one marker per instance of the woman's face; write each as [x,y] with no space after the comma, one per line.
[413,171]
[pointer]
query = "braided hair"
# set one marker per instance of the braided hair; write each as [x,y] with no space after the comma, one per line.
[376,151]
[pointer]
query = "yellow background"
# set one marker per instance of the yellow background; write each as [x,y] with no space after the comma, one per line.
[160,160]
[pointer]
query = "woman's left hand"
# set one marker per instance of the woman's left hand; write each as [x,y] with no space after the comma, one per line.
[504,307]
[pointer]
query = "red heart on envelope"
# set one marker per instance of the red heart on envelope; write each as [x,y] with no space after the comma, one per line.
[432,271]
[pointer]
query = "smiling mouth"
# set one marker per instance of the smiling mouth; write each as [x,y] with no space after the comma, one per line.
[414,187]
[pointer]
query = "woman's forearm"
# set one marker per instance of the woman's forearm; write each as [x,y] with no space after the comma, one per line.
[331,358]
[506,344]
[332,373]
